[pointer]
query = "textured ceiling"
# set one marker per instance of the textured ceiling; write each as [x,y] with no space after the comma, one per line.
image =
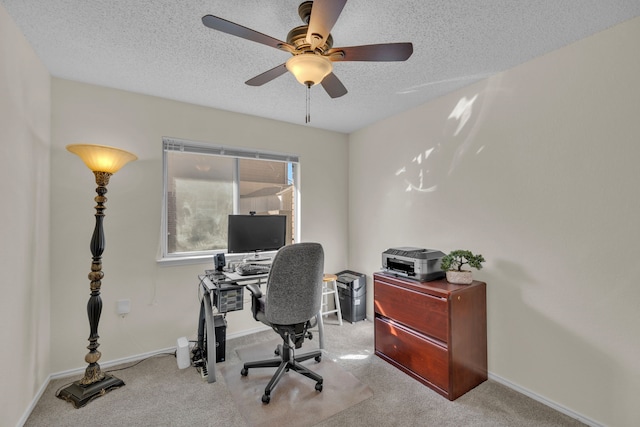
[162,48]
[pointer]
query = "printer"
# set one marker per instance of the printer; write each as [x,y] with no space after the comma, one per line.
[414,263]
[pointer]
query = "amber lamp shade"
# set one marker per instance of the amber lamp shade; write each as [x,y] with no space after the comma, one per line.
[101,158]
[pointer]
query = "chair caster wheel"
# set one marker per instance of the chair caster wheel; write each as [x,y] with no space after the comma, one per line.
[318,359]
[266,398]
[244,372]
[318,386]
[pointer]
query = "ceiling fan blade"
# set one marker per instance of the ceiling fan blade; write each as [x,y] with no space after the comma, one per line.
[324,14]
[333,86]
[229,27]
[372,52]
[267,76]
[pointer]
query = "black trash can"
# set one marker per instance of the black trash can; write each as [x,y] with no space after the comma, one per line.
[352,294]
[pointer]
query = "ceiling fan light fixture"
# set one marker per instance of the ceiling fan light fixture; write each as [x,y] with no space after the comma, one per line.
[308,68]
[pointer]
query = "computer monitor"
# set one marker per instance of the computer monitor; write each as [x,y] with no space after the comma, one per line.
[256,233]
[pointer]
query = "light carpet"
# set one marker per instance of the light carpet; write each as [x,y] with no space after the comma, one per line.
[294,400]
[158,394]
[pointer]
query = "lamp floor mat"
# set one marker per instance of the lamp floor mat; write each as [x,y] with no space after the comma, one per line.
[294,400]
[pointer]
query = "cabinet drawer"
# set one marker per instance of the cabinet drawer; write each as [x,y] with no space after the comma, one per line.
[413,351]
[424,313]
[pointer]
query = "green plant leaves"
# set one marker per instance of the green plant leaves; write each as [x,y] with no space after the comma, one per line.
[456,259]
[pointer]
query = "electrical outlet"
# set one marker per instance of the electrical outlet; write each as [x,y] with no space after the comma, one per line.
[123,306]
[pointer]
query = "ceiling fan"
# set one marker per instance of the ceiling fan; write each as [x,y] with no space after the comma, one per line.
[312,47]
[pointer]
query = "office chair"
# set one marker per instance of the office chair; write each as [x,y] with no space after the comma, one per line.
[291,303]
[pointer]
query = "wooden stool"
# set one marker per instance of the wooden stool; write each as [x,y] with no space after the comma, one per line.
[329,286]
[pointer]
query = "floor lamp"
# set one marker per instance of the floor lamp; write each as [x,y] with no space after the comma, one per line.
[104,162]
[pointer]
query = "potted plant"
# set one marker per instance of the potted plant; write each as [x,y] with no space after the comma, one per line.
[452,264]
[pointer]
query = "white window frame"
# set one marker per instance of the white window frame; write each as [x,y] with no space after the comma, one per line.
[187,146]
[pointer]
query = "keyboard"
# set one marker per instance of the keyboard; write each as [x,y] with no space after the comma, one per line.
[252,269]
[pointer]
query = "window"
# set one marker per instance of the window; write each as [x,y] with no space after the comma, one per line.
[203,184]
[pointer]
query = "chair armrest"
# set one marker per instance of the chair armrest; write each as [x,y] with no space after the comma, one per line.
[257,304]
[255,290]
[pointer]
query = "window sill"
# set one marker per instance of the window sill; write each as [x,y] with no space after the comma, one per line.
[185,260]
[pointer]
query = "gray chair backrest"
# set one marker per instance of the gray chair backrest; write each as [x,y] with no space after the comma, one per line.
[294,286]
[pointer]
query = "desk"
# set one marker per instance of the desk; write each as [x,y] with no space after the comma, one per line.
[208,284]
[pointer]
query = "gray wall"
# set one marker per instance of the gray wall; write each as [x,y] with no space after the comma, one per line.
[537,169]
[537,173]
[164,303]
[25,110]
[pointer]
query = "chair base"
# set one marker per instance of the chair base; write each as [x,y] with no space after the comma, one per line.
[287,361]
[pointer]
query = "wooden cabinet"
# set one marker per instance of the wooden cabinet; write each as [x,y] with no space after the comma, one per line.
[434,331]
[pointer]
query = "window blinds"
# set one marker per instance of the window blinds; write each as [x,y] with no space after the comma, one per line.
[185,146]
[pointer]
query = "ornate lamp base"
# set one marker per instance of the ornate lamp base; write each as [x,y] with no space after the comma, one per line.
[79,395]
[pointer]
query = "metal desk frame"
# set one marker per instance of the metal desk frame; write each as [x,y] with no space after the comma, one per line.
[206,287]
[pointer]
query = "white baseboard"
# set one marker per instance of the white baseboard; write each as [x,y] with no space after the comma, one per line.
[137,357]
[80,371]
[111,363]
[171,350]
[545,401]
[34,402]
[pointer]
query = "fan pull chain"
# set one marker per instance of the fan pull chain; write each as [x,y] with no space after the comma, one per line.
[307,118]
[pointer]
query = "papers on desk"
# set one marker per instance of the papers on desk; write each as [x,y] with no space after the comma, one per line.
[235,277]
